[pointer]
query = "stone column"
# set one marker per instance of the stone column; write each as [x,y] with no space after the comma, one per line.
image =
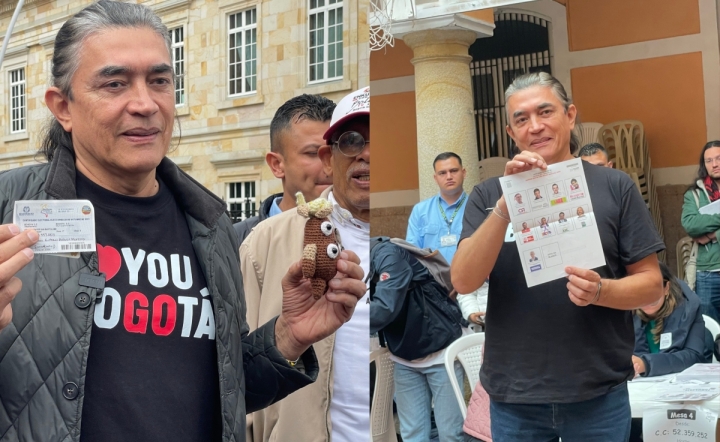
[443,102]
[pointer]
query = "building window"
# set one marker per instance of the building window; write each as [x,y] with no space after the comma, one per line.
[178,55]
[325,41]
[242,60]
[18,107]
[240,199]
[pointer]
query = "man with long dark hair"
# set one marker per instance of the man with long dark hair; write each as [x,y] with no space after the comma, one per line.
[565,377]
[702,228]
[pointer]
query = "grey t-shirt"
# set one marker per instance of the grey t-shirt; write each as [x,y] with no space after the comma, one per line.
[540,347]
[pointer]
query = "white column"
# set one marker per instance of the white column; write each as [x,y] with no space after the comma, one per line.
[443,102]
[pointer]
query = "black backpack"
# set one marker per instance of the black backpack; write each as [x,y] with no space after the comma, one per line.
[429,319]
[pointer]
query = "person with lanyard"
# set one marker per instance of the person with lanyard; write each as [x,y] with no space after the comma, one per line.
[435,222]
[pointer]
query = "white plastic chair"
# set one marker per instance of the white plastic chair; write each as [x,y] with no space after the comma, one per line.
[683,251]
[714,329]
[625,143]
[468,350]
[588,133]
[382,423]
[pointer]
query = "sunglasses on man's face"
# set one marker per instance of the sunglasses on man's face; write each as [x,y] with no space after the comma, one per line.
[351,143]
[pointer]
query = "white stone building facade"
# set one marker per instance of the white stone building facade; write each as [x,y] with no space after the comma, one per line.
[237,61]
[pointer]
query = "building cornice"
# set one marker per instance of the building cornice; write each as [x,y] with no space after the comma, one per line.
[227,131]
[168,6]
[16,158]
[237,159]
[9,7]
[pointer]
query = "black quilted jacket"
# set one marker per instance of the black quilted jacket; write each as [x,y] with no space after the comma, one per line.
[43,352]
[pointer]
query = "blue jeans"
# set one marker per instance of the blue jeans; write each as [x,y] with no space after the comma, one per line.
[707,287]
[415,391]
[603,419]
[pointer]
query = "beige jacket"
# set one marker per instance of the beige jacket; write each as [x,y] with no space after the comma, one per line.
[265,256]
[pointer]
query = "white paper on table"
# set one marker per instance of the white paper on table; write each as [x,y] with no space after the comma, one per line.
[700,372]
[553,221]
[676,423]
[663,378]
[711,208]
[684,391]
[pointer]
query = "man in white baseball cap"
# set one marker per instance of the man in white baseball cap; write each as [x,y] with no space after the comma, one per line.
[348,154]
[335,408]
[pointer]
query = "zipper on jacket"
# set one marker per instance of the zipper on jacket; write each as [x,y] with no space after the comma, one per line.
[94,280]
[328,387]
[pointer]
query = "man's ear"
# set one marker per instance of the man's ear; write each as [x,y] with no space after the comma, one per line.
[276,162]
[58,104]
[325,153]
[510,133]
[572,115]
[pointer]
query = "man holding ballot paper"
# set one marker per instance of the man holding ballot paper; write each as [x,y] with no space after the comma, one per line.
[558,353]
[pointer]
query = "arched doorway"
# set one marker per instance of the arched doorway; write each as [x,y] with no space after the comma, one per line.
[520,44]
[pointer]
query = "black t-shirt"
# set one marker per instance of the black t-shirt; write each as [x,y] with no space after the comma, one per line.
[540,347]
[152,372]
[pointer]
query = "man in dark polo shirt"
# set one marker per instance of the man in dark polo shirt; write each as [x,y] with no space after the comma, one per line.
[557,355]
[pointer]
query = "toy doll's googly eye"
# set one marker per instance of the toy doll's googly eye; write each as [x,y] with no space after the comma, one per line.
[327,228]
[333,251]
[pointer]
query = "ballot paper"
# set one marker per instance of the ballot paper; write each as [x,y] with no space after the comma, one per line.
[700,372]
[710,209]
[653,379]
[684,391]
[552,220]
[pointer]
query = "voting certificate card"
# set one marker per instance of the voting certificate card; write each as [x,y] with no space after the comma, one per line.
[553,221]
[66,227]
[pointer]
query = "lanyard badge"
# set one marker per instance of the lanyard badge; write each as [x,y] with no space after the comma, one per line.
[450,239]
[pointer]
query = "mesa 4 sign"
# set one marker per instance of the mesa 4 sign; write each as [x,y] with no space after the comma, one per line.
[679,423]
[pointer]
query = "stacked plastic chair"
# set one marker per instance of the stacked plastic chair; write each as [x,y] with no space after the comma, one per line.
[683,250]
[627,146]
[588,133]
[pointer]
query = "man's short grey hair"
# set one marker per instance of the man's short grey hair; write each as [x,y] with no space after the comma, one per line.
[543,79]
[97,17]
[591,149]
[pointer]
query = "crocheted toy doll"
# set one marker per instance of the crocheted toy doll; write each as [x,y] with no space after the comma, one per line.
[321,246]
